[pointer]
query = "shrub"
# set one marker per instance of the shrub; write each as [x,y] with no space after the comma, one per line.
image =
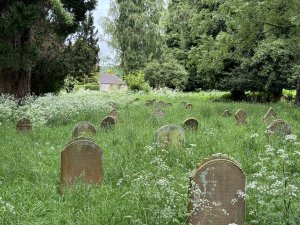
[136,81]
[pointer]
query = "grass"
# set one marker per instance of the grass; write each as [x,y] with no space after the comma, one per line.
[142,184]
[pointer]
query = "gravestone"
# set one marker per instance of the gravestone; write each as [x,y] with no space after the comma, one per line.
[241,116]
[217,193]
[226,113]
[161,104]
[108,122]
[159,113]
[83,129]
[270,116]
[23,126]
[170,135]
[113,113]
[280,127]
[191,123]
[189,106]
[149,103]
[81,158]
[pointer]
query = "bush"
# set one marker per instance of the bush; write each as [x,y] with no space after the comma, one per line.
[136,81]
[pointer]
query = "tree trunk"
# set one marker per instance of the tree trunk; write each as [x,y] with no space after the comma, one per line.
[297,98]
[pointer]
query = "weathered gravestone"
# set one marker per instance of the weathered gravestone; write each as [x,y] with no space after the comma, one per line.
[161,104]
[81,159]
[170,135]
[23,126]
[149,103]
[191,123]
[270,115]
[217,193]
[226,113]
[113,113]
[241,117]
[108,122]
[280,127]
[189,106]
[83,129]
[159,113]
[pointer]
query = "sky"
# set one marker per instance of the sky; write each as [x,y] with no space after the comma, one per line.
[105,51]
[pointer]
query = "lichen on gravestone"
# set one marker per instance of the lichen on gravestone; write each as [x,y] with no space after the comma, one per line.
[170,135]
[83,128]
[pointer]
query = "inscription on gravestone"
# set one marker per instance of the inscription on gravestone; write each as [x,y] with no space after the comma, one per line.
[170,135]
[191,123]
[83,129]
[81,158]
[23,126]
[217,193]
[241,117]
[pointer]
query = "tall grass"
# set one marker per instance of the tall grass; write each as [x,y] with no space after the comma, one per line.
[142,183]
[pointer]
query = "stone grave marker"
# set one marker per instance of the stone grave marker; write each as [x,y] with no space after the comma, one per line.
[241,116]
[191,123]
[149,103]
[161,104]
[280,127]
[269,116]
[83,128]
[217,193]
[170,135]
[81,158]
[23,126]
[189,106]
[113,113]
[159,113]
[108,122]
[226,113]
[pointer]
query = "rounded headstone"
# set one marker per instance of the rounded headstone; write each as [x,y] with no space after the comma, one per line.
[191,123]
[241,117]
[226,113]
[149,103]
[108,122]
[217,193]
[81,158]
[159,113]
[23,126]
[189,106]
[113,113]
[280,127]
[170,135]
[161,104]
[83,128]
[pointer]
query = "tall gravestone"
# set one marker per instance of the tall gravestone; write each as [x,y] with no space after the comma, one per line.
[108,122]
[217,193]
[279,127]
[191,123]
[269,116]
[170,135]
[241,117]
[23,126]
[83,128]
[159,114]
[81,159]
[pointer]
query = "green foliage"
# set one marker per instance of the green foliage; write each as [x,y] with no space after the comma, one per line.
[136,81]
[168,73]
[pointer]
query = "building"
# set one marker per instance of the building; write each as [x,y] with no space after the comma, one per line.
[109,82]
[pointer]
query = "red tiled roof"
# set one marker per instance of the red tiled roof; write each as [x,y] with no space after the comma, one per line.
[110,79]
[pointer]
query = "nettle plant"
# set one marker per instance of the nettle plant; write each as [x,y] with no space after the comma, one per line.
[273,191]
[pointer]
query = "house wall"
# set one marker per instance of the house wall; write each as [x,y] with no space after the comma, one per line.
[110,87]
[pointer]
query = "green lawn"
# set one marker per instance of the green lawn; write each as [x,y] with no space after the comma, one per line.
[132,191]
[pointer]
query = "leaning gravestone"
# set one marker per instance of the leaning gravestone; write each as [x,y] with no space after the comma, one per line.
[83,129]
[280,127]
[161,104]
[108,122]
[191,123]
[241,116]
[81,158]
[217,193]
[170,135]
[189,106]
[23,126]
[226,113]
[270,115]
[159,113]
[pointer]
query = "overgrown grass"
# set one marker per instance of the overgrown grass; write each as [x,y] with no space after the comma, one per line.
[142,184]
